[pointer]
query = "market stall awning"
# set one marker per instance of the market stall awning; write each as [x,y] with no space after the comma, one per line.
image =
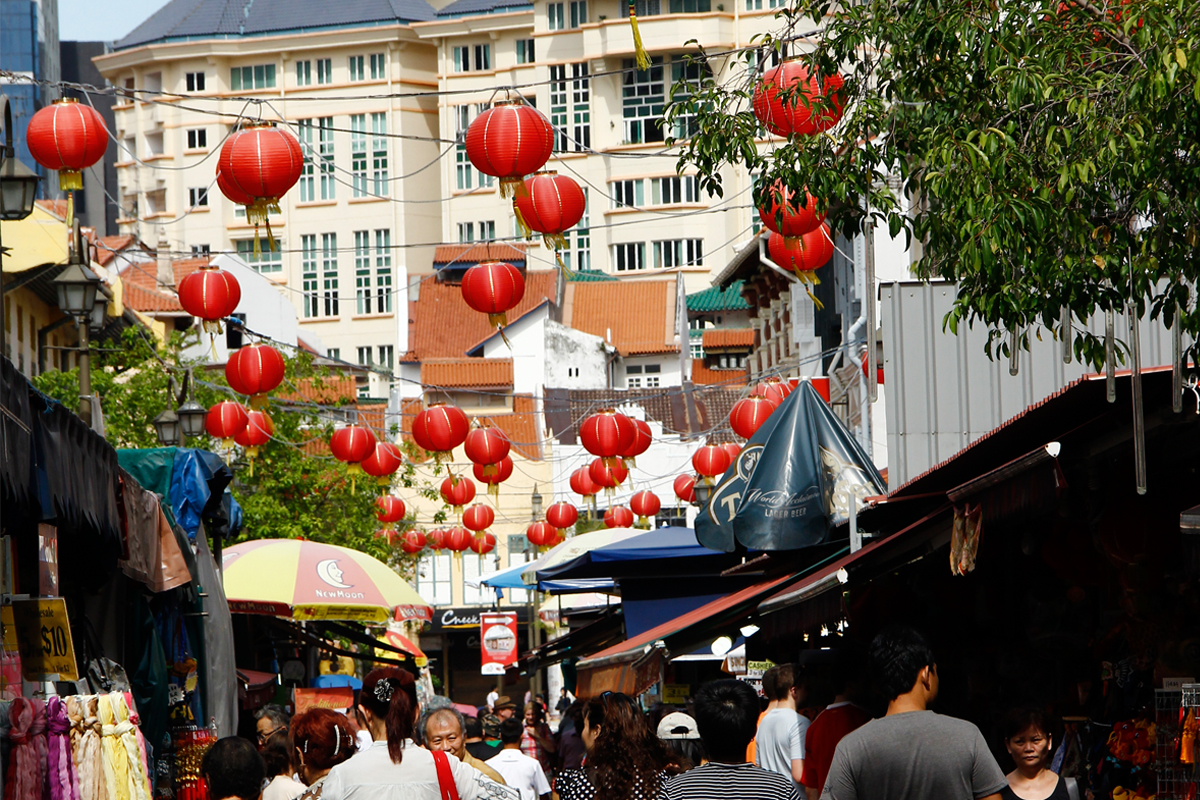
[575,547]
[590,638]
[638,554]
[403,644]
[310,581]
[624,667]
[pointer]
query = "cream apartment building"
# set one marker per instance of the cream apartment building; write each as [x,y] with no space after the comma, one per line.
[573,59]
[349,79]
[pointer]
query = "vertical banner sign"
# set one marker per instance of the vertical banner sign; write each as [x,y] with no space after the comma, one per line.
[498,638]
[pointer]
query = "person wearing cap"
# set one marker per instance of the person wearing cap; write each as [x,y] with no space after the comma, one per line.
[679,733]
[502,709]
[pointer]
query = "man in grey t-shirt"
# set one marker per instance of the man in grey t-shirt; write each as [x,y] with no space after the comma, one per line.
[912,753]
[780,737]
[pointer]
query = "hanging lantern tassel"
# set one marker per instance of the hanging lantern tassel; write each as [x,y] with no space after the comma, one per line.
[643,521]
[490,470]
[354,470]
[629,462]
[810,279]
[498,320]
[493,491]
[555,241]
[258,213]
[643,58]
[251,454]
[513,187]
[71,201]
[566,272]
[522,226]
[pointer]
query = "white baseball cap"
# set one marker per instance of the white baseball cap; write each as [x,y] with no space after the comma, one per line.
[677,725]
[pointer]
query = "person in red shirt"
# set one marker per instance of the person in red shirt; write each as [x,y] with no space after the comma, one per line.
[838,719]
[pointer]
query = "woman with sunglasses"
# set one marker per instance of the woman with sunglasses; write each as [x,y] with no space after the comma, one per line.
[625,760]
[394,767]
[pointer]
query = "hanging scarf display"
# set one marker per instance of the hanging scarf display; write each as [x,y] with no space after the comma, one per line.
[27,767]
[136,772]
[89,756]
[5,743]
[64,783]
[116,760]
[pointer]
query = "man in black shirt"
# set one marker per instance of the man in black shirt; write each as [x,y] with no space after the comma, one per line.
[727,715]
[476,746]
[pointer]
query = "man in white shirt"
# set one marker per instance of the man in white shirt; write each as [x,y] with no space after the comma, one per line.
[492,697]
[520,771]
[780,739]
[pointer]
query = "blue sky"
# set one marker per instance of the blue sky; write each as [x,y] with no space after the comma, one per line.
[102,20]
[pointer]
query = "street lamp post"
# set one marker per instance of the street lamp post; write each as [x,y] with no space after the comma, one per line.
[175,427]
[77,287]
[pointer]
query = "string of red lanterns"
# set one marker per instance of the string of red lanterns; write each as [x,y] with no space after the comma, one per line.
[255,370]
[503,471]
[509,141]
[259,162]
[552,204]
[225,421]
[493,288]
[439,429]
[457,492]
[786,100]
[257,432]
[645,504]
[487,446]
[618,517]
[383,463]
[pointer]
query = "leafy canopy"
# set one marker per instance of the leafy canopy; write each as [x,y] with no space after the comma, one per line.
[1043,155]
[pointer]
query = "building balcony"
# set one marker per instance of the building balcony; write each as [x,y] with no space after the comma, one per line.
[661,33]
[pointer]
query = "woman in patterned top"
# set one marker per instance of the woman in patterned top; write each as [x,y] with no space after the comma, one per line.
[321,739]
[625,760]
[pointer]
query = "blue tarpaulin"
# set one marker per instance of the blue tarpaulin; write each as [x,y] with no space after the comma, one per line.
[657,545]
[193,484]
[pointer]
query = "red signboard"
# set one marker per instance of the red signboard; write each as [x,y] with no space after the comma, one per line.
[498,637]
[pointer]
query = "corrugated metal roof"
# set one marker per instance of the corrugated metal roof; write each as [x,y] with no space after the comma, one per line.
[441,325]
[728,338]
[636,317]
[476,373]
[199,19]
[717,298]
[461,8]
[466,255]
[943,393]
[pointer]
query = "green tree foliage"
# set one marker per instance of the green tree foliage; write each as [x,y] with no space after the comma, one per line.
[297,489]
[1043,154]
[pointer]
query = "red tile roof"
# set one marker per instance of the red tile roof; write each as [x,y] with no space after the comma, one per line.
[107,247]
[56,207]
[483,251]
[327,390]
[729,338]
[705,376]
[441,325]
[637,317]
[521,426]
[476,373]
[142,291]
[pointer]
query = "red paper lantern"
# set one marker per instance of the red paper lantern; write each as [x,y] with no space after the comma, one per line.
[225,421]
[734,451]
[487,447]
[352,444]
[478,518]
[509,141]
[503,471]
[232,192]
[749,414]
[389,509]
[541,534]
[211,295]
[493,288]
[685,488]
[457,539]
[787,213]
[562,515]
[804,255]
[257,432]
[772,389]
[439,429]
[644,504]
[552,204]
[255,370]
[710,460]
[618,517]
[608,476]
[436,539]
[641,443]
[790,81]
[582,483]
[457,492]
[67,136]
[607,434]
[412,542]
[483,543]
[383,463]
[260,161]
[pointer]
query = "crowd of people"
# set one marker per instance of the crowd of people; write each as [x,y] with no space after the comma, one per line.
[608,748]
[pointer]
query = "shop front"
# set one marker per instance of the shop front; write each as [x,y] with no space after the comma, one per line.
[454,645]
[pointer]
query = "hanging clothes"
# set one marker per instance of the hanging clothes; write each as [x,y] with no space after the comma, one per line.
[63,780]
[27,770]
[138,784]
[116,760]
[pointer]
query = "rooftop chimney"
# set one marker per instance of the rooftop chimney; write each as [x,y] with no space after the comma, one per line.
[165,276]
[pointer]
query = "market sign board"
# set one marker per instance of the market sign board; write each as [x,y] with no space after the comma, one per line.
[332,697]
[44,639]
[498,637]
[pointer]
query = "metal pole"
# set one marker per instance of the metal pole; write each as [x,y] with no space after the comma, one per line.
[1139,421]
[85,374]
[1110,355]
[869,298]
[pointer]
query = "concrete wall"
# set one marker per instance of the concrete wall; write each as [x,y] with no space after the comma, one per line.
[267,311]
[575,360]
